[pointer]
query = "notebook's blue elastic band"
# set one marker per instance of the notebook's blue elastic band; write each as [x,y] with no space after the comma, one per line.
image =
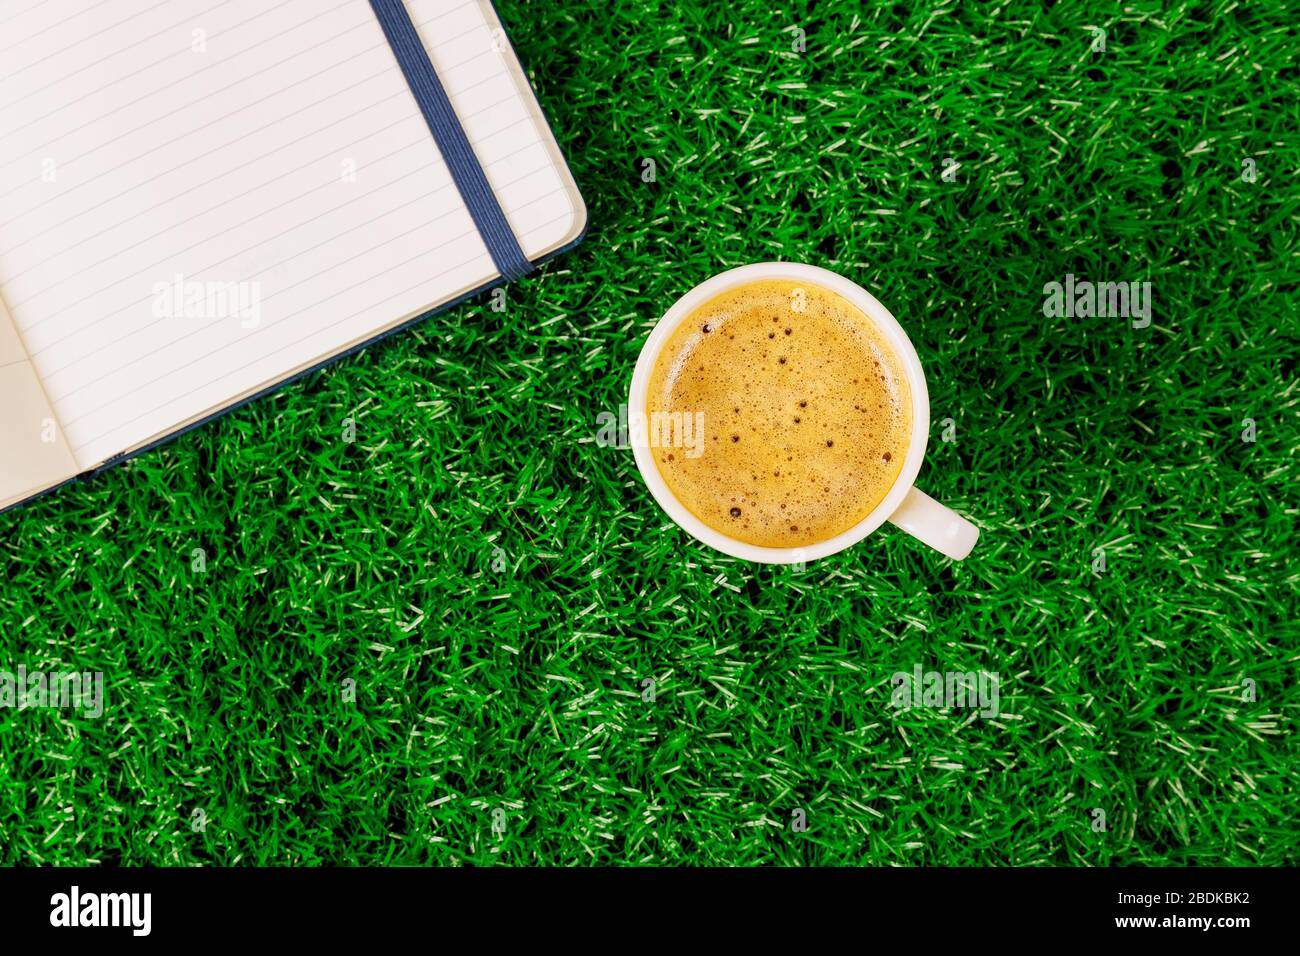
[451,139]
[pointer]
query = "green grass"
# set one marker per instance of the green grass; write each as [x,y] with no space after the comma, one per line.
[520,689]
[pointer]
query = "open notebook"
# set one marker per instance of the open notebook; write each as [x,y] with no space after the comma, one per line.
[201,199]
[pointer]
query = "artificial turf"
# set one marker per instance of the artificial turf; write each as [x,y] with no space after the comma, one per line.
[500,586]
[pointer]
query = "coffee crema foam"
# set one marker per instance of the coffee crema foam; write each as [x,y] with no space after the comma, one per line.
[807,413]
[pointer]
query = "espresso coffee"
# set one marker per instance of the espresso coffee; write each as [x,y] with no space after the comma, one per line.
[779,415]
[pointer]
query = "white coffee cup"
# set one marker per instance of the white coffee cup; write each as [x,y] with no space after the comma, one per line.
[905,506]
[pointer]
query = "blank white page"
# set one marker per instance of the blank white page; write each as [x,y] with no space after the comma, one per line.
[33,452]
[268,147]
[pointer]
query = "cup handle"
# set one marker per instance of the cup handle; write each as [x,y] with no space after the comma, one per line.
[931,523]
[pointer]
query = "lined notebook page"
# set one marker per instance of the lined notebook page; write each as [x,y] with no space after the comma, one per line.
[198,198]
